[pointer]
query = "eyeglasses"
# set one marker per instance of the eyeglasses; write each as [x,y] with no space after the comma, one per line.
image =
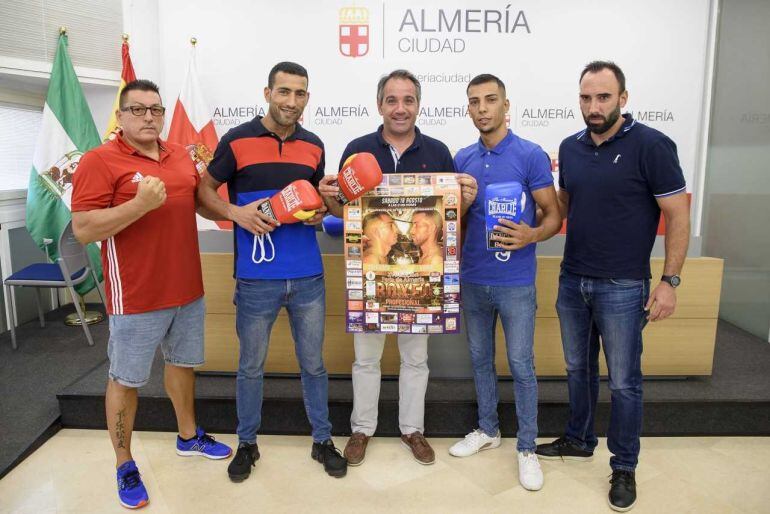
[141,110]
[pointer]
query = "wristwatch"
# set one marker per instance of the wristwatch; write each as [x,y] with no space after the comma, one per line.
[672,280]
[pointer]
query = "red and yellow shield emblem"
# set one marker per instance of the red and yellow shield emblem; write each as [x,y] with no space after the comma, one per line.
[354,31]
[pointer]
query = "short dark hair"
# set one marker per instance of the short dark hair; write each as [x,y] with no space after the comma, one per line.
[597,66]
[483,79]
[137,85]
[292,68]
[397,74]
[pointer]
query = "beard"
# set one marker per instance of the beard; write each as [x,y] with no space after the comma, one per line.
[491,127]
[607,123]
[488,129]
[283,119]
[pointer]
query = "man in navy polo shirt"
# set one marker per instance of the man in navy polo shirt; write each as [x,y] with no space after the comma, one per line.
[275,266]
[502,282]
[615,179]
[399,148]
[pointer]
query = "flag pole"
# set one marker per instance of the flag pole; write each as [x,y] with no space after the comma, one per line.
[90,317]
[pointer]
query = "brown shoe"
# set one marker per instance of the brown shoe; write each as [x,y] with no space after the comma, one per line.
[355,450]
[419,447]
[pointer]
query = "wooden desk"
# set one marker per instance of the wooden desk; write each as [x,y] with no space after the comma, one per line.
[681,345]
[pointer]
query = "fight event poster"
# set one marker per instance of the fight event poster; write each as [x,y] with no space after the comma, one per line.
[402,257]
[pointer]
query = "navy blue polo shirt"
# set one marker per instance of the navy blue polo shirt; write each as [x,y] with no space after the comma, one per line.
[512,160]
[613,214]
[256,164]
[425,154]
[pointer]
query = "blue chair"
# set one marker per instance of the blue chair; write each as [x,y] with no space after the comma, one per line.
[72,256]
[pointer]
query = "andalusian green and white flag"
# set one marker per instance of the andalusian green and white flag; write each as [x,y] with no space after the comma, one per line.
[66,133]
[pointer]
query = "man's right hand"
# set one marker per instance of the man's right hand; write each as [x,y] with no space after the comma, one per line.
[248,217]
[150,194]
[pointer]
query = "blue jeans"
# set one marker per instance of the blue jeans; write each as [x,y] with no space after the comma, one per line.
[515,306]
[613,310]
[257,304]
[134,338]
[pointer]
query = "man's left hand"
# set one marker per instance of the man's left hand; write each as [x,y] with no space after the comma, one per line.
[328,187]
[318,217]
[662,302]
[468,186]
[518,235]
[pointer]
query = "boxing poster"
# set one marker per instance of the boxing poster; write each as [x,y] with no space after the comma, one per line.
[402,258]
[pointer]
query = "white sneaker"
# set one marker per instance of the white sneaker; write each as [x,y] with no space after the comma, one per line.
[530,474]
[474,443]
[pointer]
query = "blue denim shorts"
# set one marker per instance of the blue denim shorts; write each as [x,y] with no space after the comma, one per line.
[135,337]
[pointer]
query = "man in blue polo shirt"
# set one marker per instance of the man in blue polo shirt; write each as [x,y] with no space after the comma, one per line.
[615,179]
[275,266]
[399,147]
[502,282]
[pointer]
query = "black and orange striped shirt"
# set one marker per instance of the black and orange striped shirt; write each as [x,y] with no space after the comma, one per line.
[256,163]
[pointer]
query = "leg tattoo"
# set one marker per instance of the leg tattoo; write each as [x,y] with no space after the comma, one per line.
[120,428]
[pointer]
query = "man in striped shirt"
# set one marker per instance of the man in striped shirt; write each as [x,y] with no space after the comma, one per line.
[277,266]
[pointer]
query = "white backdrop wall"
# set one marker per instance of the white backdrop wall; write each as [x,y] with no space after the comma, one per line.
[537,48]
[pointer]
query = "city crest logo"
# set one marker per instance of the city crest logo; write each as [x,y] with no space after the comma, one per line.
[354,31]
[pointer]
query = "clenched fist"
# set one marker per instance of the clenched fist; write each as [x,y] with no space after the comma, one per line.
[150,194]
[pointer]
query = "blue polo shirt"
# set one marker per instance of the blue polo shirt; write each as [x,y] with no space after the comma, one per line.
[613,214]
[513,160]
[425,154]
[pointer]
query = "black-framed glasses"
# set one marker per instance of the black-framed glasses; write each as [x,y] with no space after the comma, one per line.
[141,110]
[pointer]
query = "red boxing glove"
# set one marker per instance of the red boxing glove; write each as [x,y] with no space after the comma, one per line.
[359,174]
[296,202]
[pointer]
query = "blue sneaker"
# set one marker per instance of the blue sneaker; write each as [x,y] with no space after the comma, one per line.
[131,491]
[202,444]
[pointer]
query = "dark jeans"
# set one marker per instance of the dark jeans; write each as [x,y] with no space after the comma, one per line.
[257,306]
[613,309]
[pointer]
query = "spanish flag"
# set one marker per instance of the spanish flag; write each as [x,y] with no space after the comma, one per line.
[126,76]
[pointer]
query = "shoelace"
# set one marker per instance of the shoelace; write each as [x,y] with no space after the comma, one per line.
[560,443]
[474,437]
[244,454]
[206,439]
[419,440]
[331,448]
[129,480]
[622,476]
[531,459]
[357,440]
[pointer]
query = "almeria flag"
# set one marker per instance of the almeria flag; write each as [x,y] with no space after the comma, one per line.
[126,75]
[193,127]
[66,133]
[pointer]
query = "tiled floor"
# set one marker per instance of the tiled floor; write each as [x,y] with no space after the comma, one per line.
[74,473]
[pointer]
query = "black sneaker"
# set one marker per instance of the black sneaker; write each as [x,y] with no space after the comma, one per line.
[334,463]
[240,467]
[623,490]
[563,448]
